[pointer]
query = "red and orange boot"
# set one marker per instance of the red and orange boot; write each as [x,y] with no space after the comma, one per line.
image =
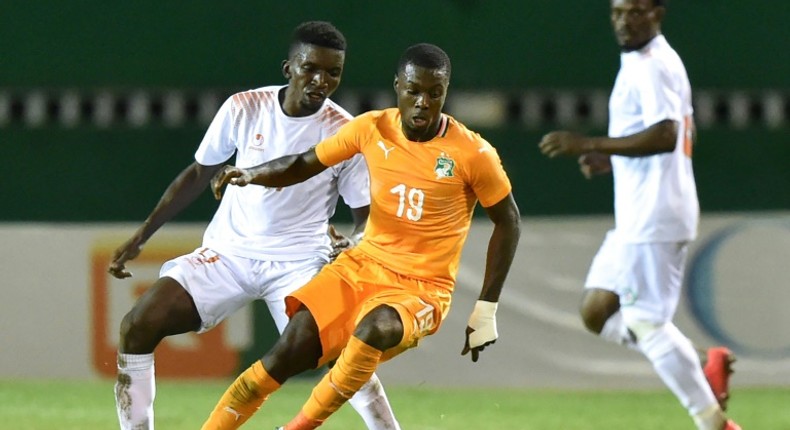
[718,368]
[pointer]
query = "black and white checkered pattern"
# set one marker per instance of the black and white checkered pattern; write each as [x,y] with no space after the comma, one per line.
[41,107]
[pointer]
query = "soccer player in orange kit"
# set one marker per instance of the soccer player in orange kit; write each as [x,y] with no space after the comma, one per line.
[378,299]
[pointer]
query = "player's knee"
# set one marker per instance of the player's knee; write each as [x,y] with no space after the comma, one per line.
[137,334]
[381,328]
[593,320]
[298,349]
[596,307]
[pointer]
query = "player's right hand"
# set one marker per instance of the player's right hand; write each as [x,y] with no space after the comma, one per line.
[128,251]
[229,175]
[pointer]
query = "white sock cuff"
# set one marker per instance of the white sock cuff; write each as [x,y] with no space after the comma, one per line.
[135,361]
[373,385]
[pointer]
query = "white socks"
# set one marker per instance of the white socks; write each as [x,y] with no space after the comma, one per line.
[677,363]
[135,391]
[711,419]
[372,405]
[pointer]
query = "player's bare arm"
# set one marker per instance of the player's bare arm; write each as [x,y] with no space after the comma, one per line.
[658,138]
[481,330]
[179,194]
[281,172]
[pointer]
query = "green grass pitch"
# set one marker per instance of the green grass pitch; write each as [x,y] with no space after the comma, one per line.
[81,405]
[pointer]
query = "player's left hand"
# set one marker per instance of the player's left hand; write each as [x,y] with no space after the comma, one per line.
[481,329]
[340,242]
[559,143]
[229,175]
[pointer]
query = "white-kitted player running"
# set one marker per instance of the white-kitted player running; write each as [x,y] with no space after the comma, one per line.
[633,286]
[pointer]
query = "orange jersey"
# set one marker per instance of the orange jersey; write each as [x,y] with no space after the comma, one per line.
[422,193]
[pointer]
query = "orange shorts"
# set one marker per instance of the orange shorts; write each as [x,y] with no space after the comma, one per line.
[353,285]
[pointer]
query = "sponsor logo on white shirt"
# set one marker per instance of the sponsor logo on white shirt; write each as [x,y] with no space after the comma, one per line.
[257,143]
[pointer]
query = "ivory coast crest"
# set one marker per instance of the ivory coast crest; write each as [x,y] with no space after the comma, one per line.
[444,166]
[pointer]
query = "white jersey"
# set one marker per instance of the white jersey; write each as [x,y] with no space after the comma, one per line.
[283,224]
[655,196]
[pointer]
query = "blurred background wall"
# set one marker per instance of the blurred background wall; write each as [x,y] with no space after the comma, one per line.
[102,103]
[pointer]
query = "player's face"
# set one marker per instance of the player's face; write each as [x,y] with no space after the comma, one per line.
[421,93]
[635,22]
[313,74]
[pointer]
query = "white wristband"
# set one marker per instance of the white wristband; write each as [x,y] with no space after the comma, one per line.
[484,309]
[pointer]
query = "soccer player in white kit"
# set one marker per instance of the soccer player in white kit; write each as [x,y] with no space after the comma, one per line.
[633,286]
[262,243]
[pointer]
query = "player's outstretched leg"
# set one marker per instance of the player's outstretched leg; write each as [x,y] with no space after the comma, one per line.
[242,399]
[677,363]
[353,369]
[164,310]
[296,350]
[378,331]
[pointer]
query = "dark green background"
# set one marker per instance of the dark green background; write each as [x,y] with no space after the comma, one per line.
[503,44]
[117,174]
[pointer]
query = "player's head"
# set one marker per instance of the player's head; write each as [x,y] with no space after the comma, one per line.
[421,84]
[314,66]
[636,22]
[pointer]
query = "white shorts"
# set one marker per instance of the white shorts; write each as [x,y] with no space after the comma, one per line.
[647,276]
[222,284]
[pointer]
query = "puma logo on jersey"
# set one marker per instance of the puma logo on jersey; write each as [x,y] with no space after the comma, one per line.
[385,149]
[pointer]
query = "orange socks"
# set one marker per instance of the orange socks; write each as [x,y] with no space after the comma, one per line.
[356,363]
[242,399]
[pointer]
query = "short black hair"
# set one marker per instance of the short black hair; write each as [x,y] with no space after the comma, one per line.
[425,55]
[319,33]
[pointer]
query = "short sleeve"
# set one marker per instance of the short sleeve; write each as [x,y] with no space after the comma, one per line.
[354,182]
[658,99]
[342,145]
[487,176]
[219,142]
